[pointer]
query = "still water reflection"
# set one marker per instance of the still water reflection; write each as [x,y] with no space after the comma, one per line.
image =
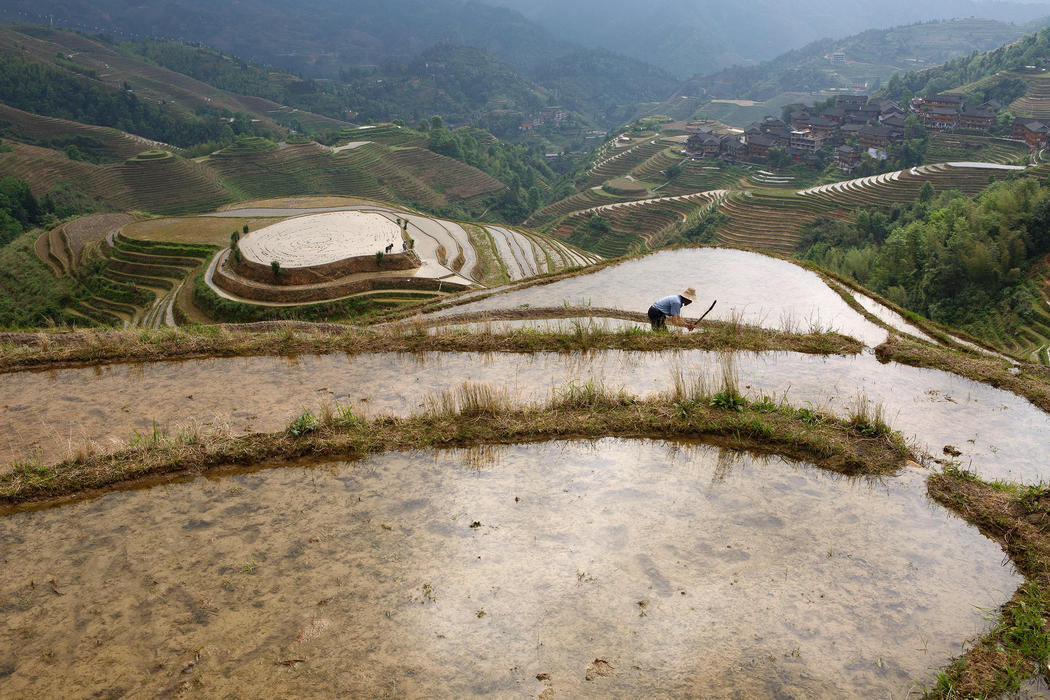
[615,567]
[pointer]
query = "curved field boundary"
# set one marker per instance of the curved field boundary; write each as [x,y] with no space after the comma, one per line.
[587,199]
[643,224]
[89,229]
[117,143]
[42,168]
[771,221]
[42,248]
[623,163]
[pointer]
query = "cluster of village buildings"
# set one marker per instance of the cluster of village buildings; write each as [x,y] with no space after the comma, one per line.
[548,115]
[855,125]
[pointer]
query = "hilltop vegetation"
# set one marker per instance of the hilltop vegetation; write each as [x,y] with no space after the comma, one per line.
[1031,50]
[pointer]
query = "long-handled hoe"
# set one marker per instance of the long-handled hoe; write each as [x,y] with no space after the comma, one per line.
[705,313]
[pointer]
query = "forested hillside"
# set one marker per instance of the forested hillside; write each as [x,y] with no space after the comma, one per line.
[1031,50]
[972,263]
[43,89]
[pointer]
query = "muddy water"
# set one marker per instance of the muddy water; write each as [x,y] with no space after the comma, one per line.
[755,288]
[614,567]
[1000,435]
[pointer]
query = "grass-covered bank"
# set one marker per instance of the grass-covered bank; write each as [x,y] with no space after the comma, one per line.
[1027,380]
[476,414]
[1017,645]
[21,351]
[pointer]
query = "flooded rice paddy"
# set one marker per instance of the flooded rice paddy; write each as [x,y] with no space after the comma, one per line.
[606,568]
[48,414]
[754,288]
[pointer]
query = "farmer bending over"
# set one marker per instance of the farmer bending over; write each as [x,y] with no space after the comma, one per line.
[671,307]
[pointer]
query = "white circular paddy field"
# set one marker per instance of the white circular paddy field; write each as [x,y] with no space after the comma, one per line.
[318,239]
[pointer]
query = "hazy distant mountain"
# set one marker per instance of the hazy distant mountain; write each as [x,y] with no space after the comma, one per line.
[320,37]
[871,57]
[702,36]
[336,38]
[316,37]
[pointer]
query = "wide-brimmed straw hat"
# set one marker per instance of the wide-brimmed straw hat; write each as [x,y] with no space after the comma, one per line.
[689,294]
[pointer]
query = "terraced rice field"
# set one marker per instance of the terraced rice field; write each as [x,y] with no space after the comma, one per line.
[388,134]
[642,224]
[583,567]
[138,281]
[653,167]
[767,221]
[1035,102]
[524,254]
[164,185]
[388,165]
[449,250]
[42,168]
[295,170]
[587,199]
[770,220]
[112,143]
[621,162]
[701,176]
[959,147]
[1031,341]
[447,175]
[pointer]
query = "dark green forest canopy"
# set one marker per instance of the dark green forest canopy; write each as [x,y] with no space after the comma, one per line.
[956,260]
[50,91]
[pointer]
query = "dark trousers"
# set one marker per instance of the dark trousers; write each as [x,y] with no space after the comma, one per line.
[657,318]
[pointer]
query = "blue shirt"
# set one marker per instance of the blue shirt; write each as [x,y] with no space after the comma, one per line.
[671,306]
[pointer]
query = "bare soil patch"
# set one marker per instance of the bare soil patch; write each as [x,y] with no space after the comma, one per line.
[88,229]
[193,229]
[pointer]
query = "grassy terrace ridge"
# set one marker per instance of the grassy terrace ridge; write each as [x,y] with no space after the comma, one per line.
[476,414]
[1028,380]
[1018,643]
[21,351]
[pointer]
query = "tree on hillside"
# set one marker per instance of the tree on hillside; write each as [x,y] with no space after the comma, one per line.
[778,157]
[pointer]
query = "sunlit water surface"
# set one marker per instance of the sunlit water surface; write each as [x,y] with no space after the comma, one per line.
[606,568]
[754,288]
[999,434]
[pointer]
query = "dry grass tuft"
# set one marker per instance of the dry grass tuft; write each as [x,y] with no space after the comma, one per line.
[20,351]
[472,415]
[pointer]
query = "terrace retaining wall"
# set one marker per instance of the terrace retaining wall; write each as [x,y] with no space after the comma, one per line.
[317,274]
[304,295]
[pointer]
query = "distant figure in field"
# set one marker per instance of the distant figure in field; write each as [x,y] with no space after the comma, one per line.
[671,308]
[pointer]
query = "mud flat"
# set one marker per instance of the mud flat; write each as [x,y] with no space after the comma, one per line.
[616,567]
[751,287]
